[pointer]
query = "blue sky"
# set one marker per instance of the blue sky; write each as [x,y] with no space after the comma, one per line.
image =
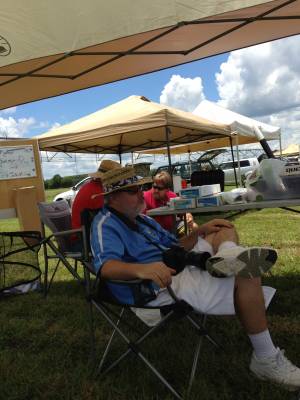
[262,82]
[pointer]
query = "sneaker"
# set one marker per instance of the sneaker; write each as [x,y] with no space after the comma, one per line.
[248,262]
[277,369]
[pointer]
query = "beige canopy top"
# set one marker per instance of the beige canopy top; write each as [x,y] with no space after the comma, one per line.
[204,145]
[292,150]
[48,48]
[129,125]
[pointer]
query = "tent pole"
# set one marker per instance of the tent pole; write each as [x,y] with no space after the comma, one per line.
[190,164]
[132,158]
[120,158]
[169,153]
[280,145]
[238,160]
[233,161]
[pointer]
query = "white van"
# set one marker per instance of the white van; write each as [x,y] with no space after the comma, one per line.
[246,165]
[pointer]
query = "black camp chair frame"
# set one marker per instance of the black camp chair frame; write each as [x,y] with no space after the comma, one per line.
[61,253]
[100,298]
[62,258]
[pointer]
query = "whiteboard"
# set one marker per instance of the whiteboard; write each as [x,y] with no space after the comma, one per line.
[17,162]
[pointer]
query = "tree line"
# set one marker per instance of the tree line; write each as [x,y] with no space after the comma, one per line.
[58,181]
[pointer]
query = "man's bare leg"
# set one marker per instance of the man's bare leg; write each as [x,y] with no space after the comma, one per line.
[267,362]
[250,305]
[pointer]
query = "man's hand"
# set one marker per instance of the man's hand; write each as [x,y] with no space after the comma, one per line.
[215,225]
[189,220]
[157,272]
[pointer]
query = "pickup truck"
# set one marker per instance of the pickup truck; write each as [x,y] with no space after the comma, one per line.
[247,165]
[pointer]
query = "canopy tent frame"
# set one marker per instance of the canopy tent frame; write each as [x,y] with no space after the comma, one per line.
[134,50]
[121,149]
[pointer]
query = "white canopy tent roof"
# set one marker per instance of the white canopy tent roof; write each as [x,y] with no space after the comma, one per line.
[48,48]
[132,124]
[245,126]
[243,130]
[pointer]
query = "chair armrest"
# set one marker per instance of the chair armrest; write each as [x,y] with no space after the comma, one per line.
[139,291]
[66,233]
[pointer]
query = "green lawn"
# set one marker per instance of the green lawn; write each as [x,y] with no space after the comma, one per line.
[44,343]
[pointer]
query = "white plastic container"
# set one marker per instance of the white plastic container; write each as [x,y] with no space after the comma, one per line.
[200,191]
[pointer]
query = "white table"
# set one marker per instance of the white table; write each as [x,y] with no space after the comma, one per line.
[232,207]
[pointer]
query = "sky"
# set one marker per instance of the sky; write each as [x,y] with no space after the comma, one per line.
[261,82]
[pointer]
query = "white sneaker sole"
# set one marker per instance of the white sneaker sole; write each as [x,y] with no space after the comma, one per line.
[282,384]
[250,263]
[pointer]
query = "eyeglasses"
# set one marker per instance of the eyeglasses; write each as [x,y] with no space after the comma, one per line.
[131,190]
[158,187]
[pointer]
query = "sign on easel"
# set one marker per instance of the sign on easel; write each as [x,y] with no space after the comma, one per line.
[21,182]
[17,162]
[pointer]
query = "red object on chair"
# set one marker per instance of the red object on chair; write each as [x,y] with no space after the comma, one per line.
[183,184]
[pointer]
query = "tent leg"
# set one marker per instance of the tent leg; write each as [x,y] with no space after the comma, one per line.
[169,153]
[233,160]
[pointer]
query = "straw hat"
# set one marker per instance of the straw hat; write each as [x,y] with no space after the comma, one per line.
[121,178]
[104,166]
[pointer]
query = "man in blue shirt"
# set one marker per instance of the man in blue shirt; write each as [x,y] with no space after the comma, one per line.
[127,246]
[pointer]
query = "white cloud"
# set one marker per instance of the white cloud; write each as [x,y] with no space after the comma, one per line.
[263,82]
[15,128]
[183,93]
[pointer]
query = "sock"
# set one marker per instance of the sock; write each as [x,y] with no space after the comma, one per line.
[227,245]
[203,245]
[262,344]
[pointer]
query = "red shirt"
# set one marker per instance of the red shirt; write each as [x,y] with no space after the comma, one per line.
[166,221]
[83,199]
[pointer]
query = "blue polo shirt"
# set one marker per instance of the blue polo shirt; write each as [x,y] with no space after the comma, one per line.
[114,237]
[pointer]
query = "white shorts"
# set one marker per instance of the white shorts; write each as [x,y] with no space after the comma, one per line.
[202,291]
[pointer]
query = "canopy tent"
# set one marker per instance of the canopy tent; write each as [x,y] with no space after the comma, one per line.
[48,48]
[245,126]
[292,150]
[242,128]
[130,125]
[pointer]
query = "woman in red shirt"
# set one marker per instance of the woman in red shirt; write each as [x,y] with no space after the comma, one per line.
[158,196]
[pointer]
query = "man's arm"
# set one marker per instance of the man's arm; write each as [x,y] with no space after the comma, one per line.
[157,271]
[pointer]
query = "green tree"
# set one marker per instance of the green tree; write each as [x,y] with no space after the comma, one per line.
[56,181]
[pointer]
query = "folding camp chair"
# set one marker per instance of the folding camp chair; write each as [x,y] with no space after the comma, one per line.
[19,262]
[57,217]
[101,299]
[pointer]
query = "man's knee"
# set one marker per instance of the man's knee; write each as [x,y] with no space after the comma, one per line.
[225,235]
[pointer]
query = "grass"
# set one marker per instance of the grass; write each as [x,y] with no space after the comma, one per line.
[44,343]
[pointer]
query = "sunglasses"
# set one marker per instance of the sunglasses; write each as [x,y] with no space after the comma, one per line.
[158,187]
[131,190]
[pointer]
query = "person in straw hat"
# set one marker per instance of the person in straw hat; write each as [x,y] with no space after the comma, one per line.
[127,245]
[90,194]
